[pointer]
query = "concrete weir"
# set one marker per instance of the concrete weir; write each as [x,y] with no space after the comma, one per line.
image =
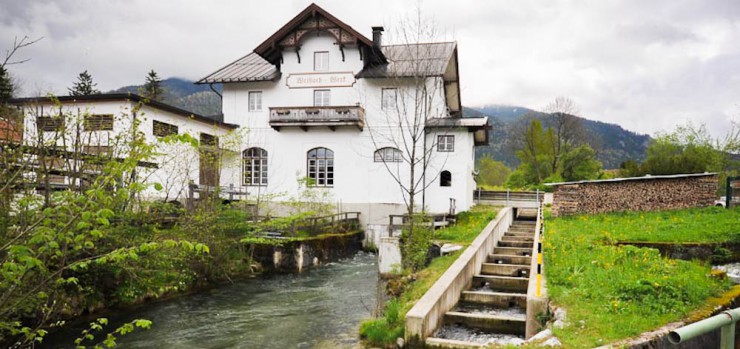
[490,294]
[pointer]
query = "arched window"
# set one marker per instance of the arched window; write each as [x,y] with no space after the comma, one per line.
[321,167]
[255,166]
[445,179]
[388,154]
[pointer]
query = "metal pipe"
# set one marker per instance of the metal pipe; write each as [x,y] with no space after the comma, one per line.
[725,320]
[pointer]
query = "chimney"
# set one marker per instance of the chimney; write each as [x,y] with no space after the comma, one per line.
[377,36]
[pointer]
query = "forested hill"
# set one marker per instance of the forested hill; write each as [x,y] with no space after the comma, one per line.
[613,144]
[186,95]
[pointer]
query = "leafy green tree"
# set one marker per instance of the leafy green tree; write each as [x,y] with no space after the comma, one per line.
[492,172]
[153,89]
[84,86]
[516,180]
[580,164]
[688,149]
[630,168]
[536,152]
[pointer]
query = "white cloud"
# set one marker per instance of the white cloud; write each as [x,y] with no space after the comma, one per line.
[646,65]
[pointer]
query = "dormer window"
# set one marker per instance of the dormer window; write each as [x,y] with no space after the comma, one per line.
[321,61]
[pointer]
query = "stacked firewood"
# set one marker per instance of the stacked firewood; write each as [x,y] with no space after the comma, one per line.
[635,194]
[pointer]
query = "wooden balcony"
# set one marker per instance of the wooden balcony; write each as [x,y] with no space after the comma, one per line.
[305,117]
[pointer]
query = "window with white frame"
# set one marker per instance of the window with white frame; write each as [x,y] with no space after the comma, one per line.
[445,144]
[388,154]
[321,61]
[255,166]
[389,96]
[321,98]
[320,167]
[255,101]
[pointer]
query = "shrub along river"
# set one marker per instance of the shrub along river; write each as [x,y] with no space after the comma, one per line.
[319,308]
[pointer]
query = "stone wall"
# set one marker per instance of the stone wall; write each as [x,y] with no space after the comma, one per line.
[648,193]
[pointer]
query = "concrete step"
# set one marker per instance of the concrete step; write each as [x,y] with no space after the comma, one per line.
[519,233]
[488,323]
[517,238]
[509,259]
[434,342]
[512,251]
[497,299]
[504,269]
[508,243]
[493,283]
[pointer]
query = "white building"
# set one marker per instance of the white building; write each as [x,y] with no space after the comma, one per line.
[98,124]
[321,101]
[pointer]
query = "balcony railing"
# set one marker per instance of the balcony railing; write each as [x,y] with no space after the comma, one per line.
[305,117]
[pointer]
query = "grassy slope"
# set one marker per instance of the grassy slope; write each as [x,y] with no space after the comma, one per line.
[614,292]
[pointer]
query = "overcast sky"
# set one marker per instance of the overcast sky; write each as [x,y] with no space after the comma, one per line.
[647,65]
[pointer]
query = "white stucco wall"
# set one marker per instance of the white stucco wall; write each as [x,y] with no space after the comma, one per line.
[178,163]
[360,182]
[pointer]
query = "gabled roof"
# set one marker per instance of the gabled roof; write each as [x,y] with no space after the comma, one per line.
[410,60]
[318,19]
[122,97]
[251,67]
[263,63]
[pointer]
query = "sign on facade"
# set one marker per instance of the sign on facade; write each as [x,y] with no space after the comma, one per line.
[313,80]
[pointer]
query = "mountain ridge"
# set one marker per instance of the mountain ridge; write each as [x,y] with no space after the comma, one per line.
[613,143]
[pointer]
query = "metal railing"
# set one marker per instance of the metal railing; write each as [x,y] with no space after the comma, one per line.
[400,221]
[725,321]
[509,198]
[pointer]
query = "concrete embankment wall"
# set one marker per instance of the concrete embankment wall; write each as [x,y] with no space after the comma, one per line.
[649,193]
[427,315]
[299,255]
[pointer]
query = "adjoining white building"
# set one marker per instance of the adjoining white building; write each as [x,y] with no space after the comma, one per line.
[95,125]
[321,101]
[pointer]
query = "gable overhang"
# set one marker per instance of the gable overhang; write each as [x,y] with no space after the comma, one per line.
[311,20]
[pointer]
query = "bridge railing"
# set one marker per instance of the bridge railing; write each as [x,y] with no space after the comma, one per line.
[531,199]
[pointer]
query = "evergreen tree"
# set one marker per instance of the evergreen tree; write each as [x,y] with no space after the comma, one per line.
[84,86]
[6,86]
[153,87]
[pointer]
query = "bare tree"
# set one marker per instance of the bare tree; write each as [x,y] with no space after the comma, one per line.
[6,82]
[416,96]
[404,141]
[567,128]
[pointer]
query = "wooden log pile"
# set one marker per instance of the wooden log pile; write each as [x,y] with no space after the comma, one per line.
[636,194]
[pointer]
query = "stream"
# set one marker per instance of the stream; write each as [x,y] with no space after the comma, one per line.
[319,308]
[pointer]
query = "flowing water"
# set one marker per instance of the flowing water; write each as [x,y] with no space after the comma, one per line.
[319,308]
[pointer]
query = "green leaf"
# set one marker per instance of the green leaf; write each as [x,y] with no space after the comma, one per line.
[158,187]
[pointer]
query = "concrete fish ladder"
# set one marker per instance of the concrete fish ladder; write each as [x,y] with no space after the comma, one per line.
[491,294]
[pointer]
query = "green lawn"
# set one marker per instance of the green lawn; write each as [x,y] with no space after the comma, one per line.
[711,224]
[615,292]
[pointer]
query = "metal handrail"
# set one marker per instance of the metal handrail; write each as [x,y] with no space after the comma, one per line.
[725,321]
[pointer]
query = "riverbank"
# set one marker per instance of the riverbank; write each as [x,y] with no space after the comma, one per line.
[320,307]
